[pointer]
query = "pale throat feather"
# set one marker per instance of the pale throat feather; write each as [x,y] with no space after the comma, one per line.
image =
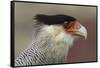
[59,35]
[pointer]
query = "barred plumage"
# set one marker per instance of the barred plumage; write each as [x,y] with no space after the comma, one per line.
[42,50]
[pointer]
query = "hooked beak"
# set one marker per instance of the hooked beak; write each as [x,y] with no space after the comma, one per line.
[82,32]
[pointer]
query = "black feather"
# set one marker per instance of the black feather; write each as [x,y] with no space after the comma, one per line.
[54,19]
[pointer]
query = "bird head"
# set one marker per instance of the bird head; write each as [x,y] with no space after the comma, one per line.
[62,26]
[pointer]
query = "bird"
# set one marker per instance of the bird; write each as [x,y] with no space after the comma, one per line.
[53,36]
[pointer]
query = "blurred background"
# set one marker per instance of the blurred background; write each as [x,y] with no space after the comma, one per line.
[82,50]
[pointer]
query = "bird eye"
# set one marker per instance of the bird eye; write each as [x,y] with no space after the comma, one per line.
[66,22]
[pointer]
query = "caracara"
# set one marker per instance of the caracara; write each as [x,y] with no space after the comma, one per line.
[53,35]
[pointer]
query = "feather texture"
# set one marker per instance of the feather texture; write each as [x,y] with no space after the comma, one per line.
[46,47]
[50,43]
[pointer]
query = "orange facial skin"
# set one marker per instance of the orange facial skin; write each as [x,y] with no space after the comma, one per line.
[72,27]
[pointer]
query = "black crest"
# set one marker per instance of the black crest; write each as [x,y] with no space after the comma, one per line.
[54,19]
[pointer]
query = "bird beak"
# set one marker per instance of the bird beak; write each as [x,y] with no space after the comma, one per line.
[82,32]
[75,28]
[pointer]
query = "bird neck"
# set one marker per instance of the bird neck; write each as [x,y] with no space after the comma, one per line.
[62,42]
